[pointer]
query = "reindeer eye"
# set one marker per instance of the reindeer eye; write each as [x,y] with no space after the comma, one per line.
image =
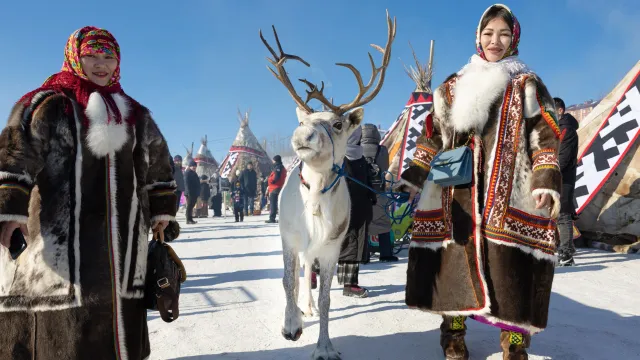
[337,126]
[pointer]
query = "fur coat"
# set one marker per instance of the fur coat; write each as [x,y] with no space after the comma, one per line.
[88,191]
[484,249]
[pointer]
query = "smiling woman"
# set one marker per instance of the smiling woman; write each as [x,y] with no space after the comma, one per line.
[84,173]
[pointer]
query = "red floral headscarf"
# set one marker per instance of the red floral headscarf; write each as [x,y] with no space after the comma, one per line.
[72,78]
[89,40]
[515,33]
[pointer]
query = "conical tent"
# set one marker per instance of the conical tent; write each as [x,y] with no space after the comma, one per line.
[245,148]
[401,137]
[607,190]
[207,165]
[189,157]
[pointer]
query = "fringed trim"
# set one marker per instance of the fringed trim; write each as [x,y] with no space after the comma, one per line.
[555,209]
[14,218]
[24,177]
[548,116]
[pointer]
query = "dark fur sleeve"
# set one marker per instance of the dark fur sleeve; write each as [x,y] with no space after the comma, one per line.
[544,139]
[429,143]
[23,147]
[160,182]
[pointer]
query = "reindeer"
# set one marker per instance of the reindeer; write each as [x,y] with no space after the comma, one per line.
[315,205]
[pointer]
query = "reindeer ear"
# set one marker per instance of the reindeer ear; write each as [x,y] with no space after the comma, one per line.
[356,117]
[301,114]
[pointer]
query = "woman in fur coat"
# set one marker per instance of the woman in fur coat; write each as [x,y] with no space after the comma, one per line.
[85,174]
[486,249]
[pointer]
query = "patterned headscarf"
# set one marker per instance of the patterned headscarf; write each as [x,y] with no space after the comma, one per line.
[89,40]
[73,79]
[515,33]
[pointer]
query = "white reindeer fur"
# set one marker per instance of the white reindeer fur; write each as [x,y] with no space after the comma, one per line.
[104,137]
[312,224]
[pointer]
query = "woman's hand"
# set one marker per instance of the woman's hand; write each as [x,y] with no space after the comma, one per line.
[7,231]
[159,226]
[542,201]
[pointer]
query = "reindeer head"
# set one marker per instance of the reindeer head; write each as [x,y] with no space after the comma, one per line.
[321,139]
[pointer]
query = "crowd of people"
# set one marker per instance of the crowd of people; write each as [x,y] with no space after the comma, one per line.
[74,175]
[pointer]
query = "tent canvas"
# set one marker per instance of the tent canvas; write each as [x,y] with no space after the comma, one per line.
[207,165]
[607,190]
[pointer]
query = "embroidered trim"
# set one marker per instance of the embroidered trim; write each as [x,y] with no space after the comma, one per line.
[429,226]
[161,192]
[457,323]
[523,229]
[545,159]
[515,338]
[16,186]
[548,116]
[423,156]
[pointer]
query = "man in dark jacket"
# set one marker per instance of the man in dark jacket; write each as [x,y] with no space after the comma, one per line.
[178,175]
[378,156]
[276,182]
[568,159]
[250,185]
[192,190]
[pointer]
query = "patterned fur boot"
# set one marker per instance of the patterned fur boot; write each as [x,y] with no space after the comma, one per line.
[452,332]
[514,345]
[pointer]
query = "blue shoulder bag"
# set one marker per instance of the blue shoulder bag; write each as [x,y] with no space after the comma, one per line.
[452,167]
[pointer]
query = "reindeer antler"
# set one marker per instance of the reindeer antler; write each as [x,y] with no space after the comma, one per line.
[278,62]
[363,89]
[317,93]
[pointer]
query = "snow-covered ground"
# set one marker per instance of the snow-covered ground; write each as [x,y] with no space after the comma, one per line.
[232,306]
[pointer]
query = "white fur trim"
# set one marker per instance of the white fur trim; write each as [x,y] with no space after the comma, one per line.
[555,209]
[115,245]
[540,255]
[408,184]
[435,246]
[104,137]
[171,184]
[530,328]
[5,175]
[531,106]
[14,218]
[78,206]
[478,86]
[133,213]
[163,218]
[478,227]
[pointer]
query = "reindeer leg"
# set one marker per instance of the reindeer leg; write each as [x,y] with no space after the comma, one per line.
[292,328]
[324,350]
[308,306]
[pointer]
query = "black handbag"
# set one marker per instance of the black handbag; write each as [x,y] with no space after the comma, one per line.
[165,273]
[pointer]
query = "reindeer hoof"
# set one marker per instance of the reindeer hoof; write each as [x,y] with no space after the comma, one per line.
[293,337]
[325,352]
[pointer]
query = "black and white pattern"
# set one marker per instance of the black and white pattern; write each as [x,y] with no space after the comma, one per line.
[419,113]
[228,164]
[608,147]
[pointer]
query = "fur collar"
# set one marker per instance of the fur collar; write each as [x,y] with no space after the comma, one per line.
[478,86]
[104,137]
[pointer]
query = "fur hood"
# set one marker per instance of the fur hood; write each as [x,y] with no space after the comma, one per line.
[370,134]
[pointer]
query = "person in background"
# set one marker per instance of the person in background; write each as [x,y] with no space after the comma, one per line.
[568,160]
[276,182]
[77,156]
[378,158]
[264,184]
[238,197]
[216,195]
[250,184]
[178,175]
[192,190]
[203,199]
[354,248]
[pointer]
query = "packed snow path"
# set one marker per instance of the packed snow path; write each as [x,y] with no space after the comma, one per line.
[232,306]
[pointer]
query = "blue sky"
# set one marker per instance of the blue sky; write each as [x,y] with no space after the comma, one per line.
[194,62]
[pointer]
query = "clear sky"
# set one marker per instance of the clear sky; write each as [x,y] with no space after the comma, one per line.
[193,62]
